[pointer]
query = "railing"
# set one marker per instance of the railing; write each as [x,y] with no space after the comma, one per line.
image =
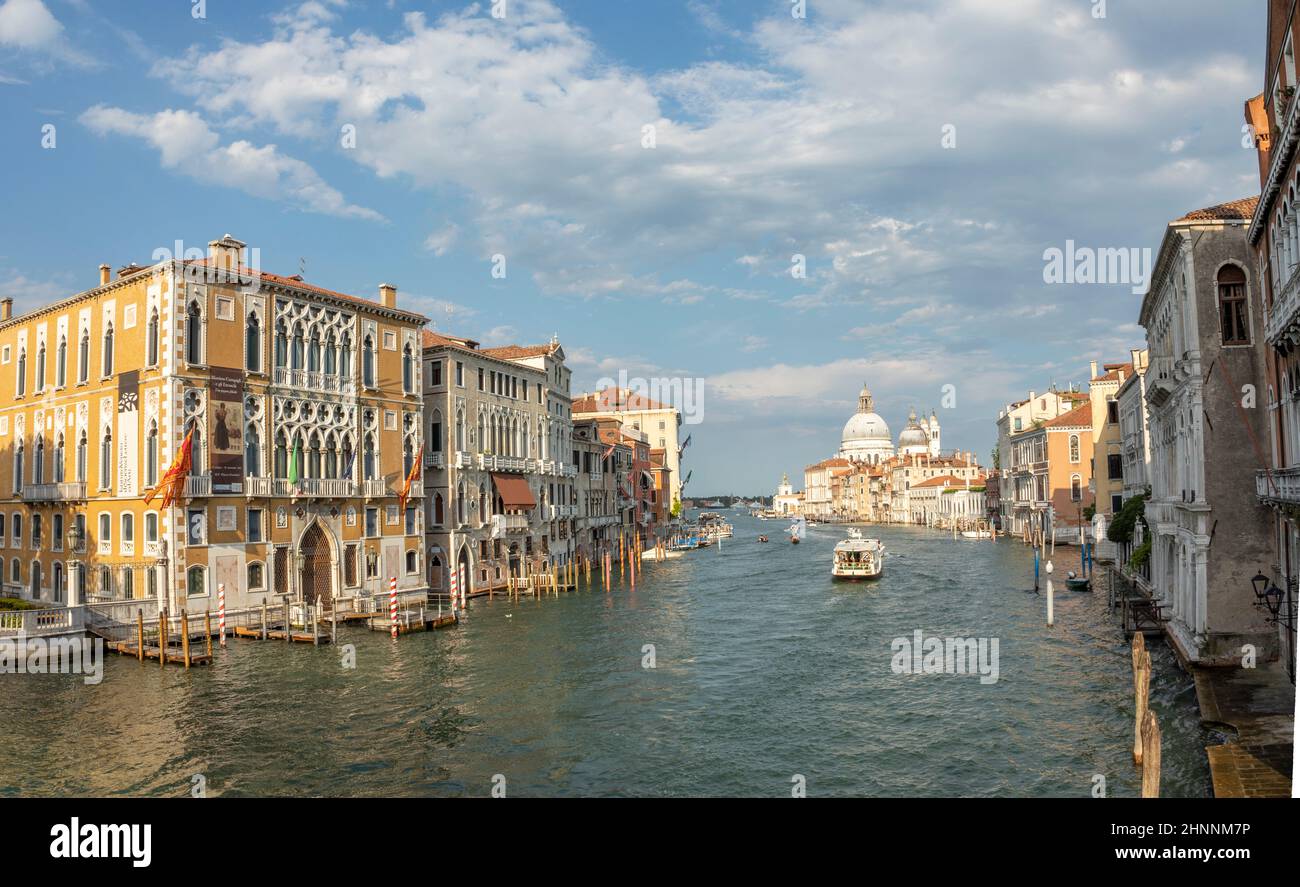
[32,623]
[435,460]
[569,470]
[54,492]
[314,381]
[198,485]
[512,523]
[464,459]
[1283,488]
[1285,311]
[504,463]
[372,489]
[259,486]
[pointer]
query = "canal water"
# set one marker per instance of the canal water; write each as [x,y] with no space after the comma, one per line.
[764,670]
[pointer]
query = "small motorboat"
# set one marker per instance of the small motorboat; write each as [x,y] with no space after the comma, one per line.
[1077,583]
[762,538]
[798,530]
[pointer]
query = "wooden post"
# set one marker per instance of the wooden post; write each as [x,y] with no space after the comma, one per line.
[185,636]
[207,630]
[162,638]
[139,632]
[263,620]
[1141,692]
[1150,756]
[288,626]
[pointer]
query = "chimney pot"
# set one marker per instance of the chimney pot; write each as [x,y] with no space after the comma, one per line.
[6,308]
[104,274]
[1094,370]
[387,295]
[226,253]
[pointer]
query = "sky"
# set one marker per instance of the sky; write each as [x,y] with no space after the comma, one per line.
[767,208]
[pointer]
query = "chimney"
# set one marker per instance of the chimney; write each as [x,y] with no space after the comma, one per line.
[104,275]
[6,308]
[1094,370]
[387,295]
[227,253]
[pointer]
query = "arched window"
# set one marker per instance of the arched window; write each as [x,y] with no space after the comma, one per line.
[40,367]
[368,457]
[281,346]
[408,370]
[194,333]
[196,581]
[281,456]
[195,432]
[331,355]
[460,432]
[1232,306]
[106,582]
[435,432]
[83,457]
[105,529]
[1076,488]
[59,465]
[313,352]
[151,455]
[108,351]
[296,355]
[253,344]
[460,503]
[256,576]
[128,529]
[412,562]
[38,464]
[329,458]
[83,357]
[368,362]
[1074,448]
[252,451]
[16,571]
[314,457]
[21,385]
[58,582]
[437,509]
[345,357]
[61,363]
[18,466]
[408,457]
[346,459]
[106,460]
[151,340]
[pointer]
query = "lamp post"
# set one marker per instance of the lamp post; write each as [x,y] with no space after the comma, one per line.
[74,566]
[1270,598]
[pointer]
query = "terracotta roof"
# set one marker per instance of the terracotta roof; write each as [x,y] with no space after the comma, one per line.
[941,481]
[431,339]
[514,352]
[615,400]
[1236,211]
[297,281]
[1112,372]
[1079,416]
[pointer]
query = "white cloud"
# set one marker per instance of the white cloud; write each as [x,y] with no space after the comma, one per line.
[189,146]
[29,26]
[442,240]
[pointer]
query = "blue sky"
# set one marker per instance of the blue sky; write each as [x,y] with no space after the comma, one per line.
[774,136]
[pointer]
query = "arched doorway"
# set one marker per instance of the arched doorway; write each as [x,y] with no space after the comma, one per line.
[317,580]
[462,571]
[435,572]
[36,580]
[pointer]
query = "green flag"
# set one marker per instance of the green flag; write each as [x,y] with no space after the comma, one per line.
[295,461]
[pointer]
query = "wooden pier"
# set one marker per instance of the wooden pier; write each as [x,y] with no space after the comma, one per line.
[409,622]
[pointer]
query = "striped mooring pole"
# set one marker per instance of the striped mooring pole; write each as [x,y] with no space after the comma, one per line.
[392,606]
[221,612]
[454,589]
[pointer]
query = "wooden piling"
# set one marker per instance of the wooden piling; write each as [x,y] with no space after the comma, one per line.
[185,637]
[162,639]
[1141,691]
[288,627]
[263,620]
[207,630]
[1150,755]
[139,632]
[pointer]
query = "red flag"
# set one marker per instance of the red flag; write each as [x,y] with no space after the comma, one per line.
[174,480]
[410,479]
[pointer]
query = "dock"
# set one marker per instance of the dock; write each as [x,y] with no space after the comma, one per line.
[175,655]
[413,621]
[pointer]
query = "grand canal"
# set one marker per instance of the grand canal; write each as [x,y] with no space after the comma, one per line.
[763,669]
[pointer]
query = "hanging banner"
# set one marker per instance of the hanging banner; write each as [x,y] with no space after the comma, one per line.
[226,394]
[128,431]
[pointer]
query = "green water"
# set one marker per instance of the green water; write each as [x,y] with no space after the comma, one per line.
[764,669]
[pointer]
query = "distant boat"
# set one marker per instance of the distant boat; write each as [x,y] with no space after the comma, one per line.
[798,530]
[977,534]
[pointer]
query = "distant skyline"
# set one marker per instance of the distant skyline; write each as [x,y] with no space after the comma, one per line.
[921,157]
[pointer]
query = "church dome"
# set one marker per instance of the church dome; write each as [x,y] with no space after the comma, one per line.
[866,436]
[914,435]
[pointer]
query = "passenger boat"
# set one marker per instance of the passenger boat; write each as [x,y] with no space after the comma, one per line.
[714,526]
[977,534]
[858,558]
[1077,583]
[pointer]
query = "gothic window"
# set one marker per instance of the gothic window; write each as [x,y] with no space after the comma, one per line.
[106,459]
[1232,306]
[151,455]
[252,451]
[40,367]
[281,346]
[21,385]
[61,363]
[108,351]
[83,454]
[253,344]
[38,464]
[408,371]
[194,333]
[151,339]
[368,362]
[1074,448]
[59,466]
[83,357]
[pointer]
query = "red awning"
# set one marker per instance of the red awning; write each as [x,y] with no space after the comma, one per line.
[514,491]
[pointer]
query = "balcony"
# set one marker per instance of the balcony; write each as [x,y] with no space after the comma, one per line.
[1282,489]
[569,470]
[463,459]
[374,489]
[513,464]
[54,492]
[1283,319]
[510,523]
[259,486]
[435,460]
[314,381]
[198,486]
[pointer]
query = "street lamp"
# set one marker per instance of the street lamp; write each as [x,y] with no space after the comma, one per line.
[1270,598]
